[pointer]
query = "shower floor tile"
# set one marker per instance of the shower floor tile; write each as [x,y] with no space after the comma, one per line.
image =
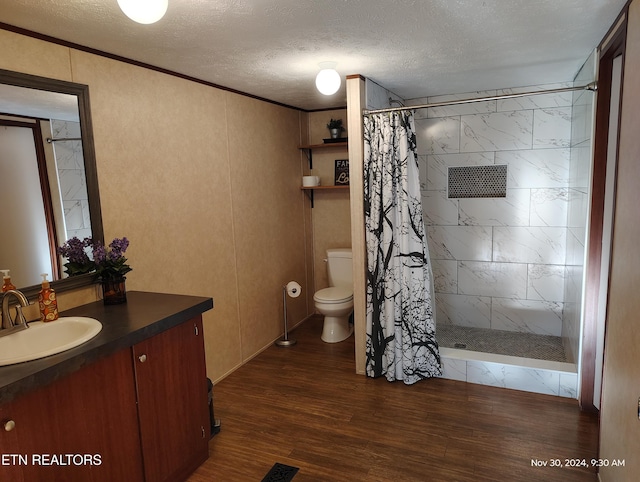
[501,342]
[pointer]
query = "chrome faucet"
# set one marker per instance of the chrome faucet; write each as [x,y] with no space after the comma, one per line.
[9,324]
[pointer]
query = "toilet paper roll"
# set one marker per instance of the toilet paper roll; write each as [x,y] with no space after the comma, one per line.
[310,181]
[293,289]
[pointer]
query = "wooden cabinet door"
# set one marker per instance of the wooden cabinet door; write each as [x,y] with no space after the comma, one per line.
[81,427]
[172,402]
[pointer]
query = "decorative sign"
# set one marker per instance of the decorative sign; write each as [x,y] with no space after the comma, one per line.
[342,172]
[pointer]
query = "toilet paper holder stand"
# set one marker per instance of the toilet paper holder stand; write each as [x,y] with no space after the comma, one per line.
[292,289]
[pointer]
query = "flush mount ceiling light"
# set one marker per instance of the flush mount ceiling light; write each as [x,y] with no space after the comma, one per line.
[144,11]
[328,80]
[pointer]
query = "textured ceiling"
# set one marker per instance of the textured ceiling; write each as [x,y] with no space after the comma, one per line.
[272,48]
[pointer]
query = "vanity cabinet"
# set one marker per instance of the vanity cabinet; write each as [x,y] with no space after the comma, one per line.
[140,414]
[88,418]
[172,402]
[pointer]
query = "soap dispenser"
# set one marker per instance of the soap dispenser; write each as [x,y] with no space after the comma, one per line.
[47,301]
[6,281]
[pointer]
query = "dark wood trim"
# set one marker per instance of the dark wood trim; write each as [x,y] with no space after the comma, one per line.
[90,165]
[615,43]
[21,122]
[119,58]
[326,109]
[45,189]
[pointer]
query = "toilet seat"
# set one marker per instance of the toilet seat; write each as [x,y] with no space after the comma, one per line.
[334,294]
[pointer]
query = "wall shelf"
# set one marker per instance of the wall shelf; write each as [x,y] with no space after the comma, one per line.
[308,148]
[325,145]
[310,190]
[320,188]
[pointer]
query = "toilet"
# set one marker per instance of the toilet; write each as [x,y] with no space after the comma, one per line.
[336,302]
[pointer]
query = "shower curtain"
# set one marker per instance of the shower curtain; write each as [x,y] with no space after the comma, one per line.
[401,341]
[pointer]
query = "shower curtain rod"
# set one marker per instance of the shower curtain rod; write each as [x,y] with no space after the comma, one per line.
[593,86]
[50,140]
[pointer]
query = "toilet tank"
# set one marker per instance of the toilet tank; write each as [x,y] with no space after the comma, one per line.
[339,267]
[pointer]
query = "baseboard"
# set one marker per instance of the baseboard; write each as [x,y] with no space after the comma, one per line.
[251,357]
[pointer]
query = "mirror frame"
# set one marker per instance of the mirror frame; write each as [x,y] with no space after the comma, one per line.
[81,91]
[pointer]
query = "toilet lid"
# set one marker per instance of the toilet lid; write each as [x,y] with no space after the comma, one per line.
[334,294]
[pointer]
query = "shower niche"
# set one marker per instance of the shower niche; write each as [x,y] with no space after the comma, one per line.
[477,181]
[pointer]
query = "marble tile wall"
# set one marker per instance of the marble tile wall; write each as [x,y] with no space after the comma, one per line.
[71,176]
[537,376]
[499,262]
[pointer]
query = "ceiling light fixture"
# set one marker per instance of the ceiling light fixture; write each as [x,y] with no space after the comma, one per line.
[328,80]
[144,11]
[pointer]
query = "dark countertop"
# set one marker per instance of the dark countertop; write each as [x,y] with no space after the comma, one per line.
[141,317]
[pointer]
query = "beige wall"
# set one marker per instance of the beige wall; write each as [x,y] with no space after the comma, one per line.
[206,185]
[331,216]
[620,427]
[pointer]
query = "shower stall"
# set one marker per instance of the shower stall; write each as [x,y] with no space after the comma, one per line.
[504,187]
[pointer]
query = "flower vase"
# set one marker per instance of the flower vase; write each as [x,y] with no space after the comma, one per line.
[114,291]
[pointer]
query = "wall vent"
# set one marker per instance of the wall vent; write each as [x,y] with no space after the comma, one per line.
[477,181]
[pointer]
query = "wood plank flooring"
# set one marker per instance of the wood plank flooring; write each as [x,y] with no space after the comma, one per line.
[305,406]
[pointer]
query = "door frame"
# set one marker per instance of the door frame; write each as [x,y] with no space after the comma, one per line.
[611,47]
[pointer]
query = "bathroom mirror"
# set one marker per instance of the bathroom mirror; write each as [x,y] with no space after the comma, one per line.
[61,112]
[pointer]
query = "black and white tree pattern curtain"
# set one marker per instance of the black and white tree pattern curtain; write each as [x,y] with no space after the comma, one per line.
[401,341]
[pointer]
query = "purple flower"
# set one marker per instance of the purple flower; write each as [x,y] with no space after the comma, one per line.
[74,250]
[118,247]
[78,261]
[99,252]
[108,263]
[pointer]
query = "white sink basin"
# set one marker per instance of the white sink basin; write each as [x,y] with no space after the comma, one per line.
[45,339]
